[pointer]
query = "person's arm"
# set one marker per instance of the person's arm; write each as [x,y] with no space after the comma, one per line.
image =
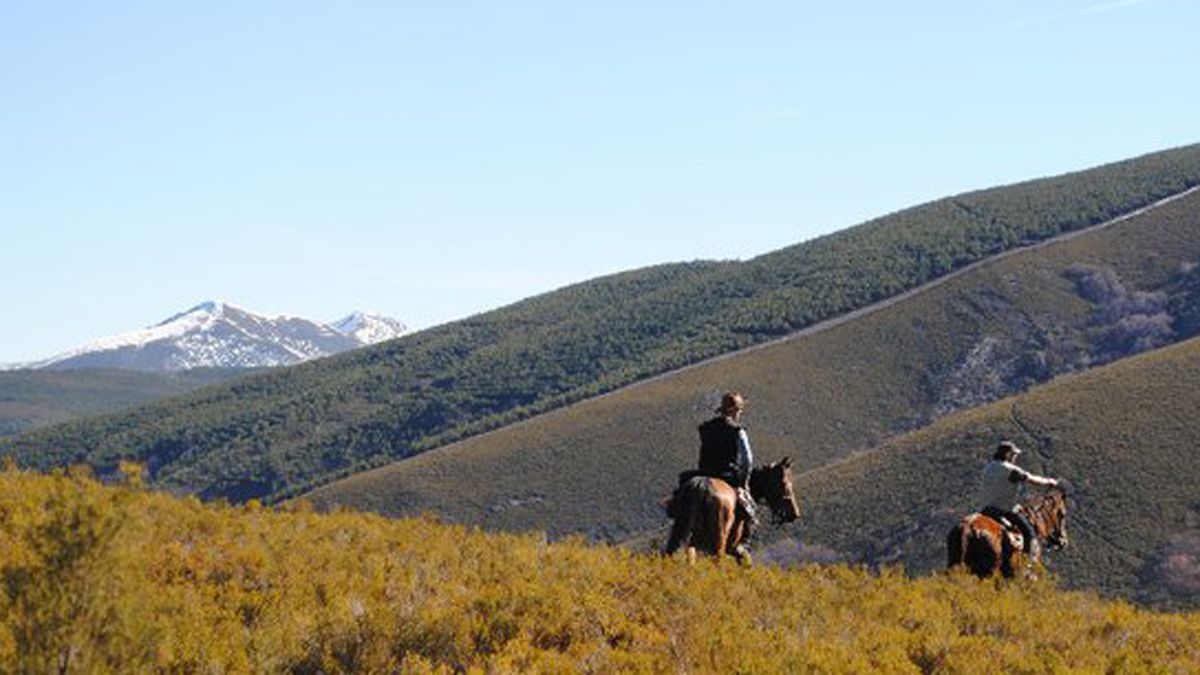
[745,457]
[1019,475]
[1042,481]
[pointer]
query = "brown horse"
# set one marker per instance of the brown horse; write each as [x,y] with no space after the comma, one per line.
[706,516]
[980,541]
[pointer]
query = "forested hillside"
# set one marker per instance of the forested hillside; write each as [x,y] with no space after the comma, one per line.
[598,467]
[30,399]
[279,432]
[122,580]
[1124,436]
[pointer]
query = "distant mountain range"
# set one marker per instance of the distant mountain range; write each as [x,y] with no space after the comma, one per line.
[218,335]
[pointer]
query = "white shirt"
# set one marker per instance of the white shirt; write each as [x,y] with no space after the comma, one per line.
[1001,484]
[744,455]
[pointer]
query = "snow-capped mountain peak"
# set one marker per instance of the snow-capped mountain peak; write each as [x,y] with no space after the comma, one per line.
[209,307]
[216,334]
[369,327]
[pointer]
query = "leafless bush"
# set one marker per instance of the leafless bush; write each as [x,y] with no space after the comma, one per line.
[1138,333]
[1100,285]
[1125,322]
[1173,573]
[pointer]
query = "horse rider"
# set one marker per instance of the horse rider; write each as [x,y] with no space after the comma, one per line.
[1001,489]
[725,453]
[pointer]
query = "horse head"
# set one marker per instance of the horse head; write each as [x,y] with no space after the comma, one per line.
[1049,516]
[1058,538]
[773,484]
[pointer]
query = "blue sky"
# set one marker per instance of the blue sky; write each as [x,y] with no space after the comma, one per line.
[430,160]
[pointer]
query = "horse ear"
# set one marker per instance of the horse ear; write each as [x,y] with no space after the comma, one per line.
[785,462]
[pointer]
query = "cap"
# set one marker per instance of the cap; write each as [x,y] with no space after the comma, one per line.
[1005,449]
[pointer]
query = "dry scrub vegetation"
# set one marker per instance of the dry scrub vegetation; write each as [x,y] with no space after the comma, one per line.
[120,579]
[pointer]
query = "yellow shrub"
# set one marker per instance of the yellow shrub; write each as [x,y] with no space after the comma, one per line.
[119,579]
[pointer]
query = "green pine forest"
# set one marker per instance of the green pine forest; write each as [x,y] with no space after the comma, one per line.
[279,433]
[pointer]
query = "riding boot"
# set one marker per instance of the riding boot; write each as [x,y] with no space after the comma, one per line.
[1032,549]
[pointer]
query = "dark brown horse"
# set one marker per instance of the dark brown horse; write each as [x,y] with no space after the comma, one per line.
[706,517]
[980,541]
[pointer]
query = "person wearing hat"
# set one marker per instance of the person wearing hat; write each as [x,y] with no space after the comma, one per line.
[1001,488]
[725,451]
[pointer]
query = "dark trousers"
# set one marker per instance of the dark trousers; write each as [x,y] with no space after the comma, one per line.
[1016,518]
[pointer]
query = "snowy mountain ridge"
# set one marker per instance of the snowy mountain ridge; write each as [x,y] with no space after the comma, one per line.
[215,334]
[368,327]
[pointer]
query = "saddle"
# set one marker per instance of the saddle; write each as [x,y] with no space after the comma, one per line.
[1015,537]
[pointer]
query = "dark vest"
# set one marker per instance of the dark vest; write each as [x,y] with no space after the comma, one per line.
[719,450]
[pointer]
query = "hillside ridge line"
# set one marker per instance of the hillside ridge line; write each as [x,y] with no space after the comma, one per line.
[812,329]
[866,310]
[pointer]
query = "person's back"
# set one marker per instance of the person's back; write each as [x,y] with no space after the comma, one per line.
[719,450]
[1000,486]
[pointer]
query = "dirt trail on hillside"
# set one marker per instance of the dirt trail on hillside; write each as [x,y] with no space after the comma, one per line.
[826,324]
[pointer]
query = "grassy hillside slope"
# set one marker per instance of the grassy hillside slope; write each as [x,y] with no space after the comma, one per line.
[273,434]
[598,467]
[1126,437]
[30,399]
[102,579]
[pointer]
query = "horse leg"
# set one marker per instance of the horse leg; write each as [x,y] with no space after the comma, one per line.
[713,527]
[735,541]
[700,524]
[726,535]
[732,536]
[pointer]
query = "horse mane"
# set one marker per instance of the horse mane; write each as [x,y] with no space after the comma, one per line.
[1041,500]
[1040,507]
[757,475]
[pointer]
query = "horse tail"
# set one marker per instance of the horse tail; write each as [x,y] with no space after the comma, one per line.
[681,525]
[686,508]
[956,544]
[984,555]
